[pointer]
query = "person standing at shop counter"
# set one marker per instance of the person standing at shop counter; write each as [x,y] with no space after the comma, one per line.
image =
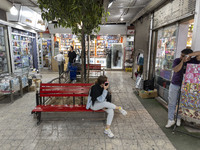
[61,60]
[179,67]
[72,56]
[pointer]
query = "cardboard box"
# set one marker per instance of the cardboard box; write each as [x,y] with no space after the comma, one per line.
[36,82]
[148,94]
[31,88]
[54,65]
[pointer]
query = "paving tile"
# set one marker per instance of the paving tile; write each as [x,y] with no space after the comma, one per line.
[136,131]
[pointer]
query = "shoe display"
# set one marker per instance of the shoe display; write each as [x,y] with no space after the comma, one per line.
[178,122]
[109,133]
[123,111]
[170,123]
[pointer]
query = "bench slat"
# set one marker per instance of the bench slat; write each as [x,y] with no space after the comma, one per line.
[63,95]
[66,84]
[67,92]
[64,88]
[62,108]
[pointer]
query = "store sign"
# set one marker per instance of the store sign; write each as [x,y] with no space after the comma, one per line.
[40,24]
[27,16]
[130,32]
[101,61]
[31,18]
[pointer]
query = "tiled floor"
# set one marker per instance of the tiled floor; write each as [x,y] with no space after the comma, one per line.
[136,131]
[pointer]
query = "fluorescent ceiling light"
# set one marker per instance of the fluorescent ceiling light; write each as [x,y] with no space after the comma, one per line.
[13,11]
[121,19]
[110,4]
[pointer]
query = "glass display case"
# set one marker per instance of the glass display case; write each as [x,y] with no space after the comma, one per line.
[166,48]
[23,52]
[3,52]
[117,56]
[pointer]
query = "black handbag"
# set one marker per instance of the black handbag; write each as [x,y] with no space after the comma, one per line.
[109,97]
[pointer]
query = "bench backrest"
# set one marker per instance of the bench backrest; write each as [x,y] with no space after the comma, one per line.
[94,66]
[64,89]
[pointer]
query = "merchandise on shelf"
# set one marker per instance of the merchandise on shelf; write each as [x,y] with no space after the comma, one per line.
[24,80]
[3,55]
[22,45]
[166,47]
[5,84]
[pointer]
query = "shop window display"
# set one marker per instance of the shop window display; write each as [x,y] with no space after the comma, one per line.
[3,53]
[23,51]
[166,47]
[101,50]
[189,38]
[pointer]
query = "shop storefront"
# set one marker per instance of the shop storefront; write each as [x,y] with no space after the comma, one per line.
[62,43]
[107,51]
[45,50]
[18,50]
[166,49]
[4,55]
[23,50]
[171,40]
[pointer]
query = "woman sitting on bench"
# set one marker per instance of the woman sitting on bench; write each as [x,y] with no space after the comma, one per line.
[97,101]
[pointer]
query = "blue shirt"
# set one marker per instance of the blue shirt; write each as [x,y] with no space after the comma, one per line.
[100,99]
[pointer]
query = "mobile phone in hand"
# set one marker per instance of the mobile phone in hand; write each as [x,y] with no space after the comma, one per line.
[106,84]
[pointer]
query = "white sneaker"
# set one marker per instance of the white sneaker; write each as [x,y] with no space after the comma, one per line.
[123,111]
[109,133]
[170,123]
[178,122]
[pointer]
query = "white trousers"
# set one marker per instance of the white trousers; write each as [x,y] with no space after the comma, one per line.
[109,109]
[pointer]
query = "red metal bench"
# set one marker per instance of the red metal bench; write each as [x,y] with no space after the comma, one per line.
[48,90]
[94,68]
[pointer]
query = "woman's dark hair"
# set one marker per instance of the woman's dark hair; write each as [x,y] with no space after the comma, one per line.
[72,47]
[101,80]
[187,51]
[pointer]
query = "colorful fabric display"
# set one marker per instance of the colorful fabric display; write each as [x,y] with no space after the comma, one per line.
[190,94]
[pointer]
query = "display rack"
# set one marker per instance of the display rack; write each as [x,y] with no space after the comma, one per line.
[13,84]
[128,52]
[166,48]
[22,50]
[3,54]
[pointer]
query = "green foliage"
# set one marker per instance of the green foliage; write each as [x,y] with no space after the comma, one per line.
[70,13]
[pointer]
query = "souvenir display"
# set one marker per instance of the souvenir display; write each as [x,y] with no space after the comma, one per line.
[23,49]
[3,53]
[166,48]
[7,82]
[190,94]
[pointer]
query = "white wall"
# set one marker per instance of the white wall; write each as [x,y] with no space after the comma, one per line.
[182,39]
[196,29]
[105,29]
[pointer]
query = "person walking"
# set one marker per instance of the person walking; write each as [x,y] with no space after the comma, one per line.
[97,101]
[179,68]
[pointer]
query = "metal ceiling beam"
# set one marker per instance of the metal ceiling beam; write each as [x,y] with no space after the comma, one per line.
[150,7]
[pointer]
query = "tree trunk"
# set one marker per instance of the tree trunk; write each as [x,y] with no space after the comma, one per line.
[83,58]
[88,60]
